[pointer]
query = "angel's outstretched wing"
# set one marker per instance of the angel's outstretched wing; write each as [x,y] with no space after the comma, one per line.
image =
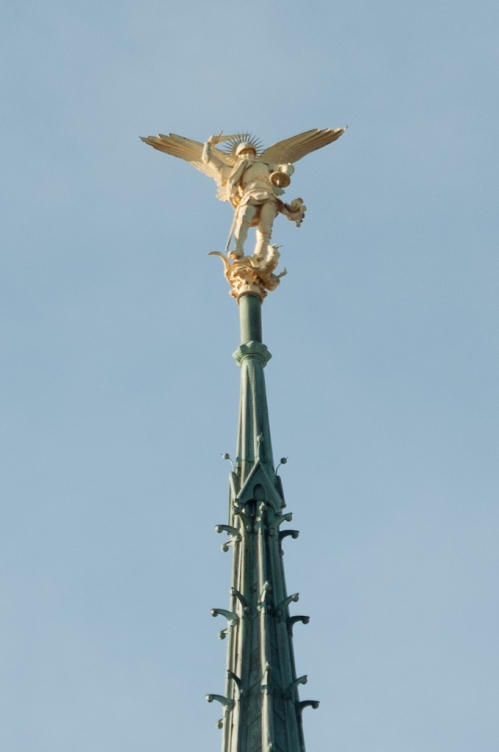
[294,148]
[191,151]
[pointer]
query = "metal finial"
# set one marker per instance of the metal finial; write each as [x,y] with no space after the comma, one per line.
[282,461]
[226,456]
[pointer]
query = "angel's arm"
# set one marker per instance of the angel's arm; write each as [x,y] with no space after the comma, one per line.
[209,158]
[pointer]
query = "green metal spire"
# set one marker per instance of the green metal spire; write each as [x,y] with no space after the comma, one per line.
[262,709]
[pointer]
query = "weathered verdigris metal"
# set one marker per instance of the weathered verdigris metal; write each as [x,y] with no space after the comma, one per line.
[262,709]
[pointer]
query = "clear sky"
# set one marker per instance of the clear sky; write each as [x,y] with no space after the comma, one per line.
[119,391]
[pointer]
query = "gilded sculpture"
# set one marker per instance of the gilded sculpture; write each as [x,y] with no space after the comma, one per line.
[253,180]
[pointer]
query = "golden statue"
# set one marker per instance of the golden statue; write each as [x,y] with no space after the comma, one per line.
[252,179]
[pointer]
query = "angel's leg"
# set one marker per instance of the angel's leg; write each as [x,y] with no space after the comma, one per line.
[268,213]
[244,218]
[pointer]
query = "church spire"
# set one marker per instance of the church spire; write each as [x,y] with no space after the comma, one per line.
[262,710]
[261,705]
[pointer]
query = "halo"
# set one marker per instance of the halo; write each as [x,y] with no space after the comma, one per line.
[231,146]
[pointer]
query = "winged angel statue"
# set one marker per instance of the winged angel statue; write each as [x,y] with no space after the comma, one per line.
[251,178]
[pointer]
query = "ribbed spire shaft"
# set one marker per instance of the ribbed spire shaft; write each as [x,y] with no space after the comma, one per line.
[253,441]
[262,711]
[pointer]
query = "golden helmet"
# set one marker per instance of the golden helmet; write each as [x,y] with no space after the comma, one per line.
[243,145]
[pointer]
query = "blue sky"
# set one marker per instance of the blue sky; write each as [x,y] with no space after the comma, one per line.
[119,391]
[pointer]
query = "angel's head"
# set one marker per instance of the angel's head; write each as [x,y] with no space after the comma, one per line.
[245,150]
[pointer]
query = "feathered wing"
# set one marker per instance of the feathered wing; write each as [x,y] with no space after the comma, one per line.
[191,151]
[294,148]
